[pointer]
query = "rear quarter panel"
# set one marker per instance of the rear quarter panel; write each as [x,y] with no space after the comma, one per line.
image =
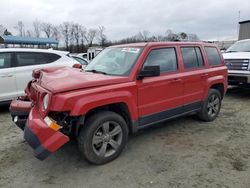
[217,74]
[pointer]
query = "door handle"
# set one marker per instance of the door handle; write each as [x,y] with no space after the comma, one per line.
[7,76]
[176,80]
[204,75]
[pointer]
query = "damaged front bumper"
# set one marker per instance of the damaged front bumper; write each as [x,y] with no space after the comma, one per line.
[42,138]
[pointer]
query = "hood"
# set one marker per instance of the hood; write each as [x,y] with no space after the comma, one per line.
[65,79]
[236,55]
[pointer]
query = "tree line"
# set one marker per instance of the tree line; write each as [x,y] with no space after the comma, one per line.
[77,38]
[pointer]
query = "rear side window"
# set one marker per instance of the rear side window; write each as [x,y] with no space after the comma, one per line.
[5,60]
[165,58]
[35,58]
[192,57]
[52,57]
[213,56]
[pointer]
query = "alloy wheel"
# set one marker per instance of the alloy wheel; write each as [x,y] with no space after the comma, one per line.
[107,139]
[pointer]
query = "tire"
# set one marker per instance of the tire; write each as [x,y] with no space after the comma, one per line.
[211,106]
[103,137]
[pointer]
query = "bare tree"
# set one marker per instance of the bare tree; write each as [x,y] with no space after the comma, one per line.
[169,31]
[77,35]
[20,28]
[29,33]
[192,37]
[90,36]
[37,28]
[101,36]
[143,36]
[56,33]
[65,30]
[71,36]
[82,36]
[47,29]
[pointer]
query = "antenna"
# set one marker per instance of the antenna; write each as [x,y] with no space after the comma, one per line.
[238,25]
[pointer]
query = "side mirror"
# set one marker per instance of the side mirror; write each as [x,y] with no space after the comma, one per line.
[77,66]
[149,71]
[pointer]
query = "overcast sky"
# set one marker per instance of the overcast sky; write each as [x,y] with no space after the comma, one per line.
[210,19]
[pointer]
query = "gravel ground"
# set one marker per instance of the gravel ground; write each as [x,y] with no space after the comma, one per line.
[180,153]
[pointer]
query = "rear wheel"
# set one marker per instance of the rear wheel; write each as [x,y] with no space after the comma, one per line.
[211,106]
[103,137]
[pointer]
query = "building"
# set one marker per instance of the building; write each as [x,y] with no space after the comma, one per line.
[244,32]
[92,52]
[17,41]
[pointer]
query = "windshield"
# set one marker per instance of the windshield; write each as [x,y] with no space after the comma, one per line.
[240,46]
[114,61]
[82,61]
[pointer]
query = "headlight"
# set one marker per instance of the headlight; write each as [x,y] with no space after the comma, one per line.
[45,101]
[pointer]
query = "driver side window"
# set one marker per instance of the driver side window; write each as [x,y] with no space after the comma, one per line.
[164,57]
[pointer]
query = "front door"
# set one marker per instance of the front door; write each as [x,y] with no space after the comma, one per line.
[160,97]
[8,89]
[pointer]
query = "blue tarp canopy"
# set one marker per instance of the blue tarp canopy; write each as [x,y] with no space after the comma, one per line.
[9,39]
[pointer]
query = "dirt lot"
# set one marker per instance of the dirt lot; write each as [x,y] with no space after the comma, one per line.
[180,153]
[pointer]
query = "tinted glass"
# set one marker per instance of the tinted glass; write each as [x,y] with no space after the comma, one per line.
[52,57]
[191,57]
[199,56]
[165,58]
[213,56]
[5,60]
[34,58]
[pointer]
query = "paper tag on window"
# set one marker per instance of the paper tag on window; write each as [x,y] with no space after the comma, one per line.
[132,50]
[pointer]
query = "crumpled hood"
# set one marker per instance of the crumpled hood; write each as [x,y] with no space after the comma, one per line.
[64,79]
[236,55]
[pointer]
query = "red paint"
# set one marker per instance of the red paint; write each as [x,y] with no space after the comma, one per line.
[49,138]
[78,92]
[19,105]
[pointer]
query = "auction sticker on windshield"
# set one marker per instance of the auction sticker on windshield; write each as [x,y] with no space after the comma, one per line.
[132,50]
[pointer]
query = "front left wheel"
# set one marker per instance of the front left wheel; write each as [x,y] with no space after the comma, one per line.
[103,137]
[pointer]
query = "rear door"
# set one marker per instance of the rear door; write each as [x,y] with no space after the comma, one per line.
[8,89]
[194,76]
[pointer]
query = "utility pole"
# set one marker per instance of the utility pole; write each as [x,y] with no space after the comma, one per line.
[238,25]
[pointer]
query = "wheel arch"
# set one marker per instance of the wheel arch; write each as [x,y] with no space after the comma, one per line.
[219,83]
[219,87]
[120,108]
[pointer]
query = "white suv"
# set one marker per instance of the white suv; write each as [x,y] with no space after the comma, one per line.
[16,65]
[237,59]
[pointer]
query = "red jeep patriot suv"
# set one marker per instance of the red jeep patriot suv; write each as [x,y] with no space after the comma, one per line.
[124,89]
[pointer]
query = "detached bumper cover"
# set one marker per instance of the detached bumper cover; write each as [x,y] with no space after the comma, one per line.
[39,151]
[39,136]
[42,138]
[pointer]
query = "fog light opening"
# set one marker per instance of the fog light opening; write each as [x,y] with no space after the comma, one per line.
[15,119]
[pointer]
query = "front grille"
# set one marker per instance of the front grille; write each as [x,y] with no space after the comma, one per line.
[237,64]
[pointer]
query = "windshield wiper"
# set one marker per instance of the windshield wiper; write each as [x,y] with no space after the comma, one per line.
[96,71]
[230,51]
